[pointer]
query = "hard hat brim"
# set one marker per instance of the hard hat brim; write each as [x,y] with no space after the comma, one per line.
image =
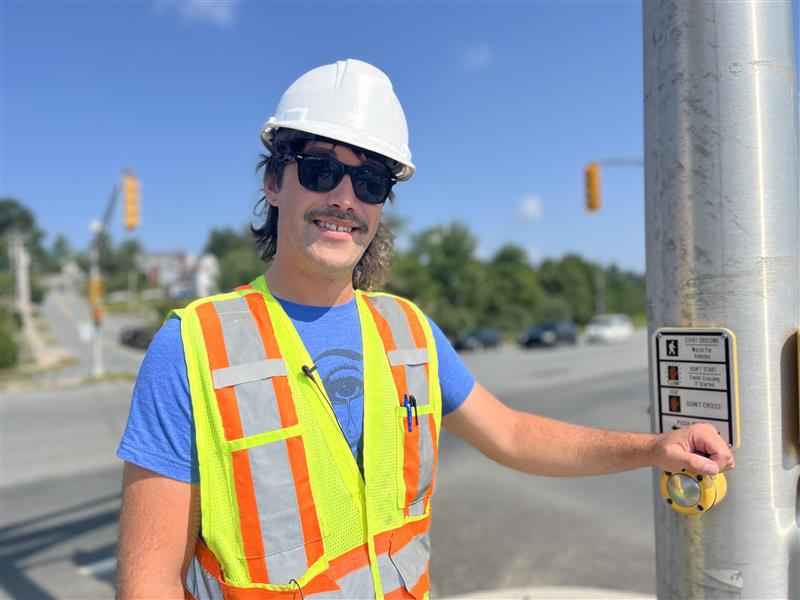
[347,135]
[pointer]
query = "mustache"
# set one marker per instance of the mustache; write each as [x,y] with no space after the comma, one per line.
[315,214]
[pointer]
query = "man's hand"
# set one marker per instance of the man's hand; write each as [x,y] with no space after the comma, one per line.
[698,448]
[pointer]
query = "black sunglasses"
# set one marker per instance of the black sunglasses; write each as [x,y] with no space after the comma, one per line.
[322,173]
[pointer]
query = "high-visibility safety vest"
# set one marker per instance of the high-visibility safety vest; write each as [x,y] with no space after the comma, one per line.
[285,511]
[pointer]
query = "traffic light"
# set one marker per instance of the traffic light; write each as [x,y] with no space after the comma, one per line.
[592,187]
[95,290]
[130,194]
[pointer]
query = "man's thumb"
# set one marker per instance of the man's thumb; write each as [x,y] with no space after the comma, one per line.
[701,464]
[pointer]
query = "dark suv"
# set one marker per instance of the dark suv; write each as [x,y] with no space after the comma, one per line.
[483,337]
[549,333]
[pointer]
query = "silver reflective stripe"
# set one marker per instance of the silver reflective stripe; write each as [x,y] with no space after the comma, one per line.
[278,512]
[390,577]
[337,595]
[417,382]
[263,369]
[240,332]
[358,584]
[412,559]
[425,459]
[417,508]
[258,406]
[416,377]
[201,584]
[415,356]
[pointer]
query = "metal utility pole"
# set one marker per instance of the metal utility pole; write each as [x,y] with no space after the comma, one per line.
[130,192]
[96,286]
[723,237]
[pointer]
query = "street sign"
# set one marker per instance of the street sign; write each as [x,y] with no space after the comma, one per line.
[695,379]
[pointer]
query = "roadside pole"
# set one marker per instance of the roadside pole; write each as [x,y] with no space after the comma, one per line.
[95,296]
[722,229]
[96,285]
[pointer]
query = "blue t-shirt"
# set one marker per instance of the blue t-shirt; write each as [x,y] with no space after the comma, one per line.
[160,436]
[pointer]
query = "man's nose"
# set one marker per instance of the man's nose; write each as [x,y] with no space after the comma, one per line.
[343,195]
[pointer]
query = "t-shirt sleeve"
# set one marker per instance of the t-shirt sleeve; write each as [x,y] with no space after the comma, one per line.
[455,378]
[159,435]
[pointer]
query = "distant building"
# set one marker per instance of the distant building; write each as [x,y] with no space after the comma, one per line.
[206,275]
[181,275]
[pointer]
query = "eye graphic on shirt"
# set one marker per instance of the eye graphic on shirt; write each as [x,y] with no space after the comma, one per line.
[343,379]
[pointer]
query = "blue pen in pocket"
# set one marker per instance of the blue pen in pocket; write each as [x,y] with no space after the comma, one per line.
[407,404]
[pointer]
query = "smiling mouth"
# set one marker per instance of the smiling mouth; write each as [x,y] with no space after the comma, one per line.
[334,227]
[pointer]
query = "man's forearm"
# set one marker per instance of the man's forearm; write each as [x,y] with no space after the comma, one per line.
[547,447]
[543,446]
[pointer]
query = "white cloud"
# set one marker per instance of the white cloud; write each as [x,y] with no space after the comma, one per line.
[221,13]
[476,56]
[530,208]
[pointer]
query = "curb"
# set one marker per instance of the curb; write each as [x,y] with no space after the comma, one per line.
[16,387]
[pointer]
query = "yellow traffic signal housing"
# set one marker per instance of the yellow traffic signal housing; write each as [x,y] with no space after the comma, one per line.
[130,194]
[96,290]
[593,187]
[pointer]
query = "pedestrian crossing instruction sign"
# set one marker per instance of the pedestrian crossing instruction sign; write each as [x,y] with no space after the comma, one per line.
[695,379]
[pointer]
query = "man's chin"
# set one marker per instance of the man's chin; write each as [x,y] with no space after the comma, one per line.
[332,263]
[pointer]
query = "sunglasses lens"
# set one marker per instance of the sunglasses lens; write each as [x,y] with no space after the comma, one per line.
[322,173]
[371,187]
[319,173]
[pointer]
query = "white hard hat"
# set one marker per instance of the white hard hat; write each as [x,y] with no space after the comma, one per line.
[349,101]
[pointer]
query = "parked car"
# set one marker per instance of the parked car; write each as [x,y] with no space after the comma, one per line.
[137,337]
[609,328]
[483,337]
[549,333]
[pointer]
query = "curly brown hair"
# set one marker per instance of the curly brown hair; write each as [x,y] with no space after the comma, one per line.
[374,268]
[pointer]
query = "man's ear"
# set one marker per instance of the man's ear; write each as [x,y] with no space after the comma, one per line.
[271,189]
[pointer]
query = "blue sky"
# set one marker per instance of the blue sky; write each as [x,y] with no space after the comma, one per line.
[506,102]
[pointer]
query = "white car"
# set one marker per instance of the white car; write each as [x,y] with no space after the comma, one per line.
[609,328]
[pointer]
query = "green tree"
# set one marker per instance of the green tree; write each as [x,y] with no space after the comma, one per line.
[238,267]
[239,262]
[61,251]
[575,282]
[625,292]
[512,296]
[440,273]
[15,218]
[226,240]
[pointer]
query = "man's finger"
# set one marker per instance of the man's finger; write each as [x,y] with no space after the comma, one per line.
[700,464]
[705,439]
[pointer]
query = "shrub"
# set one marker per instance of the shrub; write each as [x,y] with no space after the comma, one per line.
[9,351]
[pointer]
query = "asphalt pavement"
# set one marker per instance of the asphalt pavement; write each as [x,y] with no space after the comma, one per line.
[67,315]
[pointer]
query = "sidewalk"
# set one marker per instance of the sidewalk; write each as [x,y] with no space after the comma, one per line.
[552,593]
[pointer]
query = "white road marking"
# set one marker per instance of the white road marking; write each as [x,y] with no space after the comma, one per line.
[101,567]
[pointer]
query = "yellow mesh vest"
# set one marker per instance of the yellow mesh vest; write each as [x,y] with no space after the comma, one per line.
[350,512]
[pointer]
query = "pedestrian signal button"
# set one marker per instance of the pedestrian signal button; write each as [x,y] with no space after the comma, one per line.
[690,493]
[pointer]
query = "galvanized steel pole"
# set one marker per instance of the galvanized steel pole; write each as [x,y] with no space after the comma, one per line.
[723,236]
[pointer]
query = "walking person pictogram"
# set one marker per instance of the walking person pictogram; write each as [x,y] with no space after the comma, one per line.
[672,347]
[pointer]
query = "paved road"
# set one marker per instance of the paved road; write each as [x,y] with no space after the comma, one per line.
[66,313]
[494,528]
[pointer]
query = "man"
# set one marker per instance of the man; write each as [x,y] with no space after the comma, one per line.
[283,437]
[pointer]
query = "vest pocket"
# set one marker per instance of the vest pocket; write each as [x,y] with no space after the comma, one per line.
[281,532]
[411,560]
[417,462]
